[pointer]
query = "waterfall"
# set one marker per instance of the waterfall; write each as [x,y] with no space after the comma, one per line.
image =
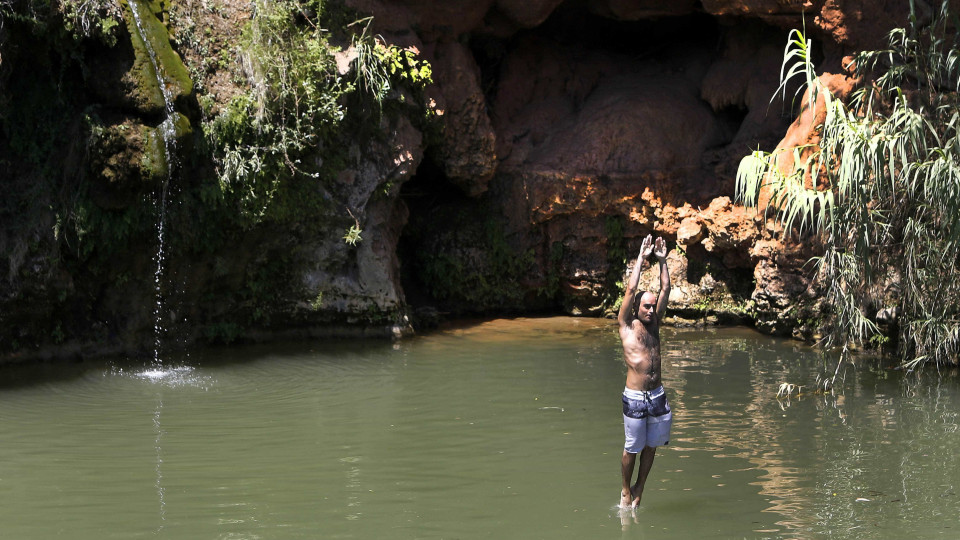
[167,132]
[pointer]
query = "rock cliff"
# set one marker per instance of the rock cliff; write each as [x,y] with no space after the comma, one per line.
[614,120]
[563,133]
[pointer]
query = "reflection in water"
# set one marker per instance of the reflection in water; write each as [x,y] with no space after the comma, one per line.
[352,474]
[166,378]
[159,469]
[817,458]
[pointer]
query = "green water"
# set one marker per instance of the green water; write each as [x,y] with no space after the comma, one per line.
[505,429]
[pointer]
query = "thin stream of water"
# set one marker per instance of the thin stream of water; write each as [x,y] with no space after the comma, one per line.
[157,372]
[168,133]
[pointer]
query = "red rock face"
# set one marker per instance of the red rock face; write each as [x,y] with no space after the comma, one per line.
[623,124]
[560,118]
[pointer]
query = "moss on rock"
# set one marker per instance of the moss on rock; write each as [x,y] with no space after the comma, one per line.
[142,79]
[126,159]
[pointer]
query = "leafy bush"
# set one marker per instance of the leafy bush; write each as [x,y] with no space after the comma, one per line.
[79,19]
[881,189]
[91,19]
[260,140]
[284,134]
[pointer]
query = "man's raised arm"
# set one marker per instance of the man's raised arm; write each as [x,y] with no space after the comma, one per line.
[629,295]
[660,250]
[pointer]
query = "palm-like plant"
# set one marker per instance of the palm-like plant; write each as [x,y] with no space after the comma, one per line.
[881,189]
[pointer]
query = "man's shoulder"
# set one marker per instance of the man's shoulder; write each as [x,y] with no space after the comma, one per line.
[633,324]
[632,328]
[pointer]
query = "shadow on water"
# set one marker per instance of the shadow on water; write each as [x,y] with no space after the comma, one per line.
[40,373]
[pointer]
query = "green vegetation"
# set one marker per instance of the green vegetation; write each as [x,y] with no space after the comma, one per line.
[477,269]
[91,19]
[265,142]
[273,121]
[76,19]
[86,176]
[353,235]
[881,190]
[260,142]
[613,285]
[278,144]
[41,136]
[551,288]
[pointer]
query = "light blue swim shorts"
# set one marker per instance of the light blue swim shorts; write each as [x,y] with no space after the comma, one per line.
[646,419]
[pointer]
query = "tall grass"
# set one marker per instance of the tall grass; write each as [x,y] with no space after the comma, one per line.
[881,189]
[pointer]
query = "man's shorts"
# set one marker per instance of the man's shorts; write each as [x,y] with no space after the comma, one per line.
[646,419]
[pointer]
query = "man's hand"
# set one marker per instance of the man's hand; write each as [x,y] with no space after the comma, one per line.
[659,249]
[646,248]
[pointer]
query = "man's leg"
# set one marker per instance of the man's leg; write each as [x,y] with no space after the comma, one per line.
[626,470]
[646,462]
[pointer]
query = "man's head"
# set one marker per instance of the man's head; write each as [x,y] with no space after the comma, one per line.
[647,307]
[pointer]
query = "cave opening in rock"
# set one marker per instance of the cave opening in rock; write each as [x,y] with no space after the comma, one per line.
[459,256]
[429,196]
[589,111]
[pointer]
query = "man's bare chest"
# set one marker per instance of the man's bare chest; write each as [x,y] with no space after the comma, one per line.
[647,338]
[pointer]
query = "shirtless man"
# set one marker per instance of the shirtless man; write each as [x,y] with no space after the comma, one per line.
[646,413]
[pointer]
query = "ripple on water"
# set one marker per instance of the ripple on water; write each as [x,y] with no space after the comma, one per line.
[176,376]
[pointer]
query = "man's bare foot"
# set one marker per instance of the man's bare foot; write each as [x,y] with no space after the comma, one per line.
[636,492]
[627,517]
[625,499]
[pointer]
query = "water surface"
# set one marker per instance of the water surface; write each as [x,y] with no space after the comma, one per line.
[503,429]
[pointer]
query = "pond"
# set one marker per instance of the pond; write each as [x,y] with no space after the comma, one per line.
[499,429]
